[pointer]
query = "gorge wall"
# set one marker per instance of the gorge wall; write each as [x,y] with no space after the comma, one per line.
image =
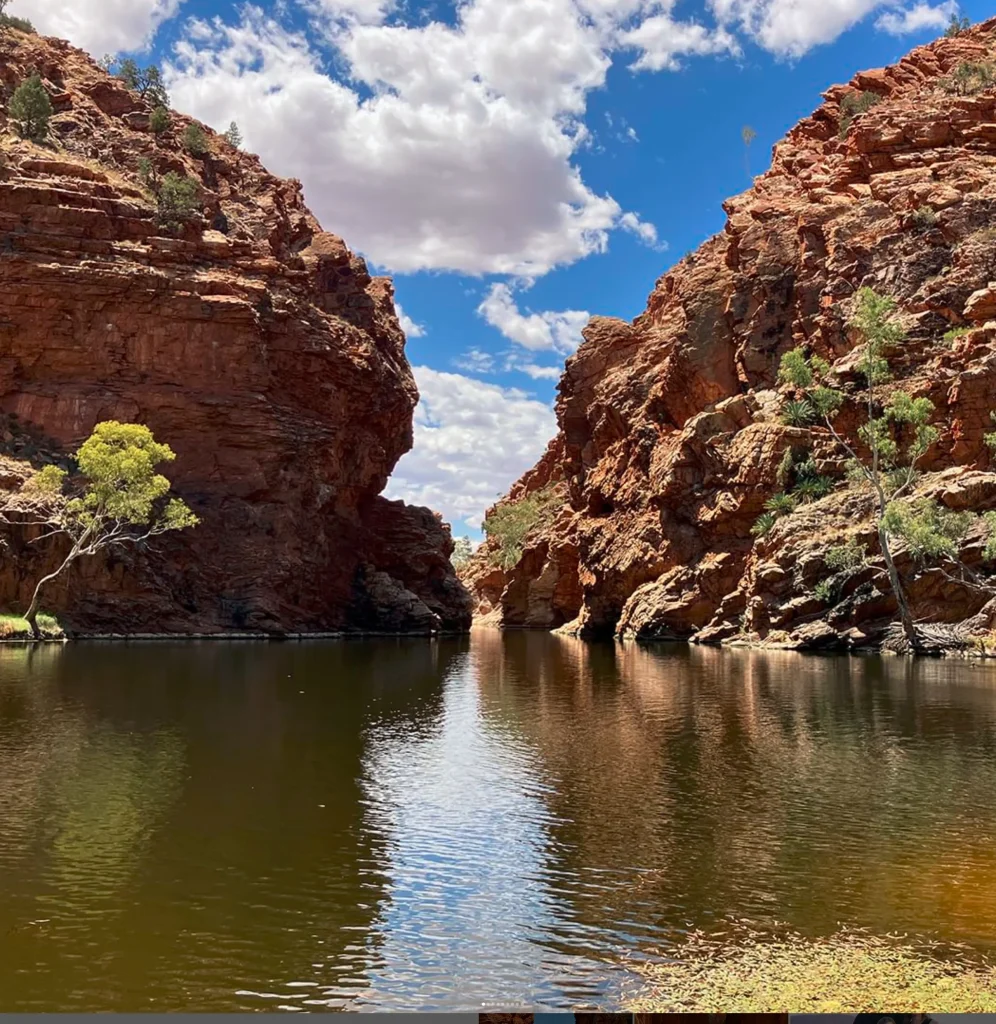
[670,427]
[251,341]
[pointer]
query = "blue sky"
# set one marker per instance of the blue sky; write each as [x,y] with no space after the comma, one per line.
[514,164]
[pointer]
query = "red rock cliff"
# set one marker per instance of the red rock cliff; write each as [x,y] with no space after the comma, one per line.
[254,343]
[670,429]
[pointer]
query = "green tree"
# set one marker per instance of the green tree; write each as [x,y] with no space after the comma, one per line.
[896,433]
[147,81]
[119,498]
[130,73]
[956,26]
[195,139]
[463,549]
[176,199]
[233,136]
[30,109]
[512,521]
[12,21]
[159,120]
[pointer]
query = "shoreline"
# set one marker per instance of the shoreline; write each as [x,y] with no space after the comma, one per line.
[267,637]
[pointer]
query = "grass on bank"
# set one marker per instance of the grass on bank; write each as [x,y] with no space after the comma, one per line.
[849,972]
[13,627]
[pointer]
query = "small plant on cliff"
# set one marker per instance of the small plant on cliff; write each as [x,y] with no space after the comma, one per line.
[763,524]
[956,26]
[970,78]
[990,438]
[511,522]
[924,218]
[159,121]
[853,104]
[30,109]
[177,200]
[950,337]
[798,414]
[781,504]
[195,140]
[233,136]
[843,561]
[119,498]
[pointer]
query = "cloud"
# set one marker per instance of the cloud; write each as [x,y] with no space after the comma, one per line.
[540,372]
[643,230]
[362,12]
[918,18]
[663,40]
[475,361]
[99,26]
[408,325]
[472,440]
[538,332]
[790,28]
[451,145]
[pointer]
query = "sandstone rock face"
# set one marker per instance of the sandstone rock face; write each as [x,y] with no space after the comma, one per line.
[670,435]
[254,343]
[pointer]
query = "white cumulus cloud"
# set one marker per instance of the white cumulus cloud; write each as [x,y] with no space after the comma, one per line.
[451,145]
[539,332]
[917,18]
[790,28]
[662,40]
[644,230]
[408,325]
[472,440]
[98,26]
[475,361]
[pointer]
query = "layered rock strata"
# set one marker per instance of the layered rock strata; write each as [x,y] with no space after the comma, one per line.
[250,340]
[670,427]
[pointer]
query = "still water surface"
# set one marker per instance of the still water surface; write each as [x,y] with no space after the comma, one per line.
[457,824]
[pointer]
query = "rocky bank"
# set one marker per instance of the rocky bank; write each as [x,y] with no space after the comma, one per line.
[251,341]
[670,428]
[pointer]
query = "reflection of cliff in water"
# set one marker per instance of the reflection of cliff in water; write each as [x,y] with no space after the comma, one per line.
[692,784]
[177,793]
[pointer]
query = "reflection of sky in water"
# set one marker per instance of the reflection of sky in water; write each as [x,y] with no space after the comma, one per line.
[460,810]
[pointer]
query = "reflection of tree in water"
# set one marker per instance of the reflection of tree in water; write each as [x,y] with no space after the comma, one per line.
[205,798]
[695,784]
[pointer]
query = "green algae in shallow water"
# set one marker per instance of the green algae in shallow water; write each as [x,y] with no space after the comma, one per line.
[849,972]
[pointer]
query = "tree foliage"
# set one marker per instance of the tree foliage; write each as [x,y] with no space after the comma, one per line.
[147,82]
[118,497]
[970,78]
[956,26]
[195,140]
[853,104]
[12,21]
[463,550]
[888,467]
[30,109]
[511,522]
[233,136]
[886,450]
[159,120]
